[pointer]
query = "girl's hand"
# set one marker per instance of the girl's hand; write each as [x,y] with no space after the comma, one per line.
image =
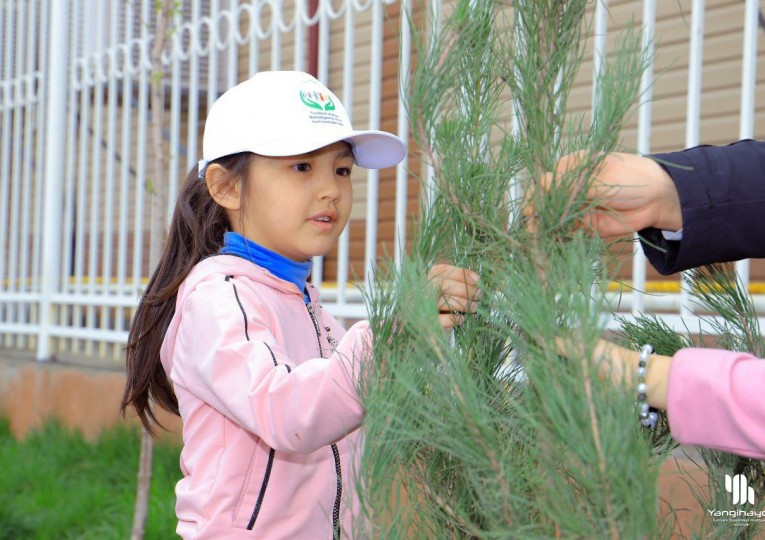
[458,293]
[620,366]
[616,363]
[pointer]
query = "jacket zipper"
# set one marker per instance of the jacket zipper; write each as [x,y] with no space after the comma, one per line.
[312,313]
[336,508]
[335,451]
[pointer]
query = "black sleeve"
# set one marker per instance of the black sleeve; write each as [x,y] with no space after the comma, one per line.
[722,195]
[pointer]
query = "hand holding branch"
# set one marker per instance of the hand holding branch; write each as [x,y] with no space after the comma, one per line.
[458,293]
[620,366]
[629,192]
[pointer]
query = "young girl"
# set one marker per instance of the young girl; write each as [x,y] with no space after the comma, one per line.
[230,336]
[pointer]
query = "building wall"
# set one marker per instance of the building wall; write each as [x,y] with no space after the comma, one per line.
[720,105]
[80,397]
[721,88]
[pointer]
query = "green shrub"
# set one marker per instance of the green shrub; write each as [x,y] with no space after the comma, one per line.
[56,484]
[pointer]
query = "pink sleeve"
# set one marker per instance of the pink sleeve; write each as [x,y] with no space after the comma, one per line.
[715,399]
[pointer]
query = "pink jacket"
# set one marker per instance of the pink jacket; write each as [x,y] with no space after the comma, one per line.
[715,399]
[266,388]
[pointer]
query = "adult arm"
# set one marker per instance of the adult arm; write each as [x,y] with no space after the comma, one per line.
[722,196]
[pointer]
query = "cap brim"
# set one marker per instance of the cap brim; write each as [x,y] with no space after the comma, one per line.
[371,149]
[376,149]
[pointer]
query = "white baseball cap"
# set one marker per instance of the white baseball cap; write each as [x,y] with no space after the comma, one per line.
[287,113]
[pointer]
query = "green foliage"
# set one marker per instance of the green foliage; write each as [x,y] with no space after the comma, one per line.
[488,432]
[651,329]
[55,484]
[718,288]
[718,291]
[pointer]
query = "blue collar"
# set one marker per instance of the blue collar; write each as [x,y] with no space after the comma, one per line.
[278,265]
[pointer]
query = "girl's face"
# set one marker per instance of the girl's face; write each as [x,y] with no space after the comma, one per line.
[297,206]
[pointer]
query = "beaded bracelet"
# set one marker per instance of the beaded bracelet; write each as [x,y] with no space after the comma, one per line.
[648,418]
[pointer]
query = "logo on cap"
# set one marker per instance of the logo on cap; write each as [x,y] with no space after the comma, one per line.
[317,100]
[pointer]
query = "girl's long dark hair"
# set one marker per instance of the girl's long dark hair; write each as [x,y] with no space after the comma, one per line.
[196,232]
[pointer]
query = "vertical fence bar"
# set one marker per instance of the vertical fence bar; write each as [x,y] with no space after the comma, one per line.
[69,256]
[54,162]
[232,64]
[343,246]
[323,76]
[429,185]
[176,98]
[16,217]
[82,166]
[402,169]
[301,13]
[95,174]
[174,173]
[373,176]
[749,70]
[323,56]
[695,62]
[748,85]
[192,142]
[141,136]
[317,274]
[598,65]
[516,188]
[126,177]
[41,31]
[111,157]
[212,56]
[111,174]
[277,9]
[10,156]
[6,20]
[599,51]
[644,145]
[693,111]
[28,233]
[253,63]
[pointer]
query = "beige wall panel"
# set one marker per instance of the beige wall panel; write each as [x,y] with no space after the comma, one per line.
[719,130]
[721,77]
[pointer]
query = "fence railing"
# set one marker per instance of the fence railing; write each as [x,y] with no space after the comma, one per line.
[74,91]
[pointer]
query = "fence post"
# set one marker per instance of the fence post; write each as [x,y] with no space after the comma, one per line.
[645,110]
[693,114]
[599,52]
[748,91]
[53,182]
[373,175]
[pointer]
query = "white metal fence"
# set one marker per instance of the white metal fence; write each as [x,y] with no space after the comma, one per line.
[74,90]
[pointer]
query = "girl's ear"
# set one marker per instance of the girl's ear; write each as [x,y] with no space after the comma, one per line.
[226,194]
